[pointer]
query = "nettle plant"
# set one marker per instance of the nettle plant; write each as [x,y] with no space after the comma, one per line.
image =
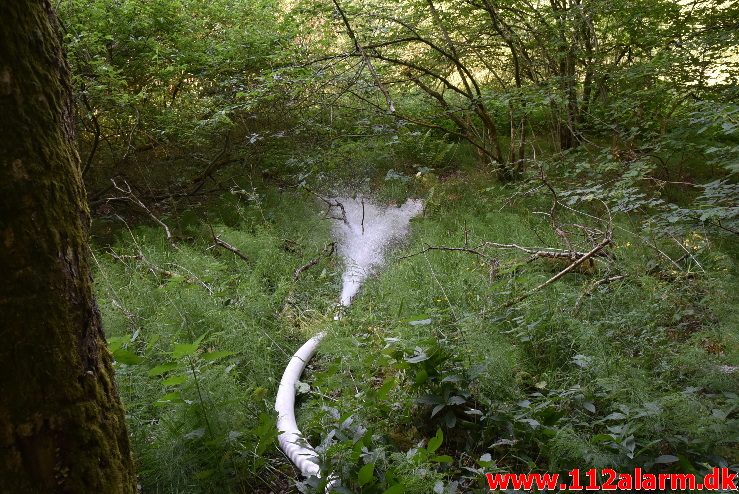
[440,382]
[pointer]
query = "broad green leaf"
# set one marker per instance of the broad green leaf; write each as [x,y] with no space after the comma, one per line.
[126,357]
[162,369]
[184,349]
[422,376]
[116,342]
[666,459]
[175,380]
[174,397]
[383,390]
[418,357]
[456,400]
[366,474]
[435,441]
[395,489]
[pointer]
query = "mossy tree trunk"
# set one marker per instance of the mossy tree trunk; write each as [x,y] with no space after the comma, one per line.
[62,426]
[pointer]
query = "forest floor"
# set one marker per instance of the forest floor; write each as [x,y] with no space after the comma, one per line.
[453,360]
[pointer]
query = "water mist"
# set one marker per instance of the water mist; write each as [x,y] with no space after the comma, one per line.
[363,232]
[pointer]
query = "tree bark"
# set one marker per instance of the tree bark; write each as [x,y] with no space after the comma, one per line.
[62,426]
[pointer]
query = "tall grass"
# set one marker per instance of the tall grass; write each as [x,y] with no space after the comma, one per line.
[206,425]
[640,372]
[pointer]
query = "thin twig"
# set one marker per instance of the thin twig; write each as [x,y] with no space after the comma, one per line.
[552,211]
[331,204]
[644,240]
[328,251]
[129,315]
[367,60]
[591,289]
[222,243]
[129,195]
[535,252]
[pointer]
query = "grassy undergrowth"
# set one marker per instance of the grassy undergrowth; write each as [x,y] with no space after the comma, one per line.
[201,337]
[430,379]
[632,373]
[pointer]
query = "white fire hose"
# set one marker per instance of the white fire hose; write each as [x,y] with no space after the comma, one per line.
[291,440]
[362,254]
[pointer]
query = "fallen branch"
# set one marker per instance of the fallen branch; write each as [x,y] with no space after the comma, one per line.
[646,241]
[536,252]
[130,196]
[330,203]
[566,270]
[150,266]
[328,251]
[222,243]
[542,251]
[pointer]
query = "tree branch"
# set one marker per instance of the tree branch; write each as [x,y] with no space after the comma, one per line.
[222,243]
[367,60]
[129,195]
[328,251]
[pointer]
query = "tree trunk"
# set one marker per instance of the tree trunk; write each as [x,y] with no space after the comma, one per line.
[62,426]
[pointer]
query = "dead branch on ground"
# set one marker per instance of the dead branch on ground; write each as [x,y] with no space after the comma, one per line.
[222,243]
[576,258]
[536,252]
[130,196]
[328,251]
[566,270]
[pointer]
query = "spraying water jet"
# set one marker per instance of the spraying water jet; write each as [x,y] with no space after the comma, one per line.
[363,235]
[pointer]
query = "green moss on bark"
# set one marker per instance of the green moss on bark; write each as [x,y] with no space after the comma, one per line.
[62,427]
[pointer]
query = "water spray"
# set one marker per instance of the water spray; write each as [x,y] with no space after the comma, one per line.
[363,234]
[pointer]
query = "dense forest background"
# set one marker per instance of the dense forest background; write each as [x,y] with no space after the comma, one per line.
[535,132]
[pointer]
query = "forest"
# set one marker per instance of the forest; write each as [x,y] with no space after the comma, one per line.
[380,247]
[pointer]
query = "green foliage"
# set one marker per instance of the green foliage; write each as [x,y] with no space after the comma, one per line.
[164,81]
[625,108]
[634,377]
[197,348]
